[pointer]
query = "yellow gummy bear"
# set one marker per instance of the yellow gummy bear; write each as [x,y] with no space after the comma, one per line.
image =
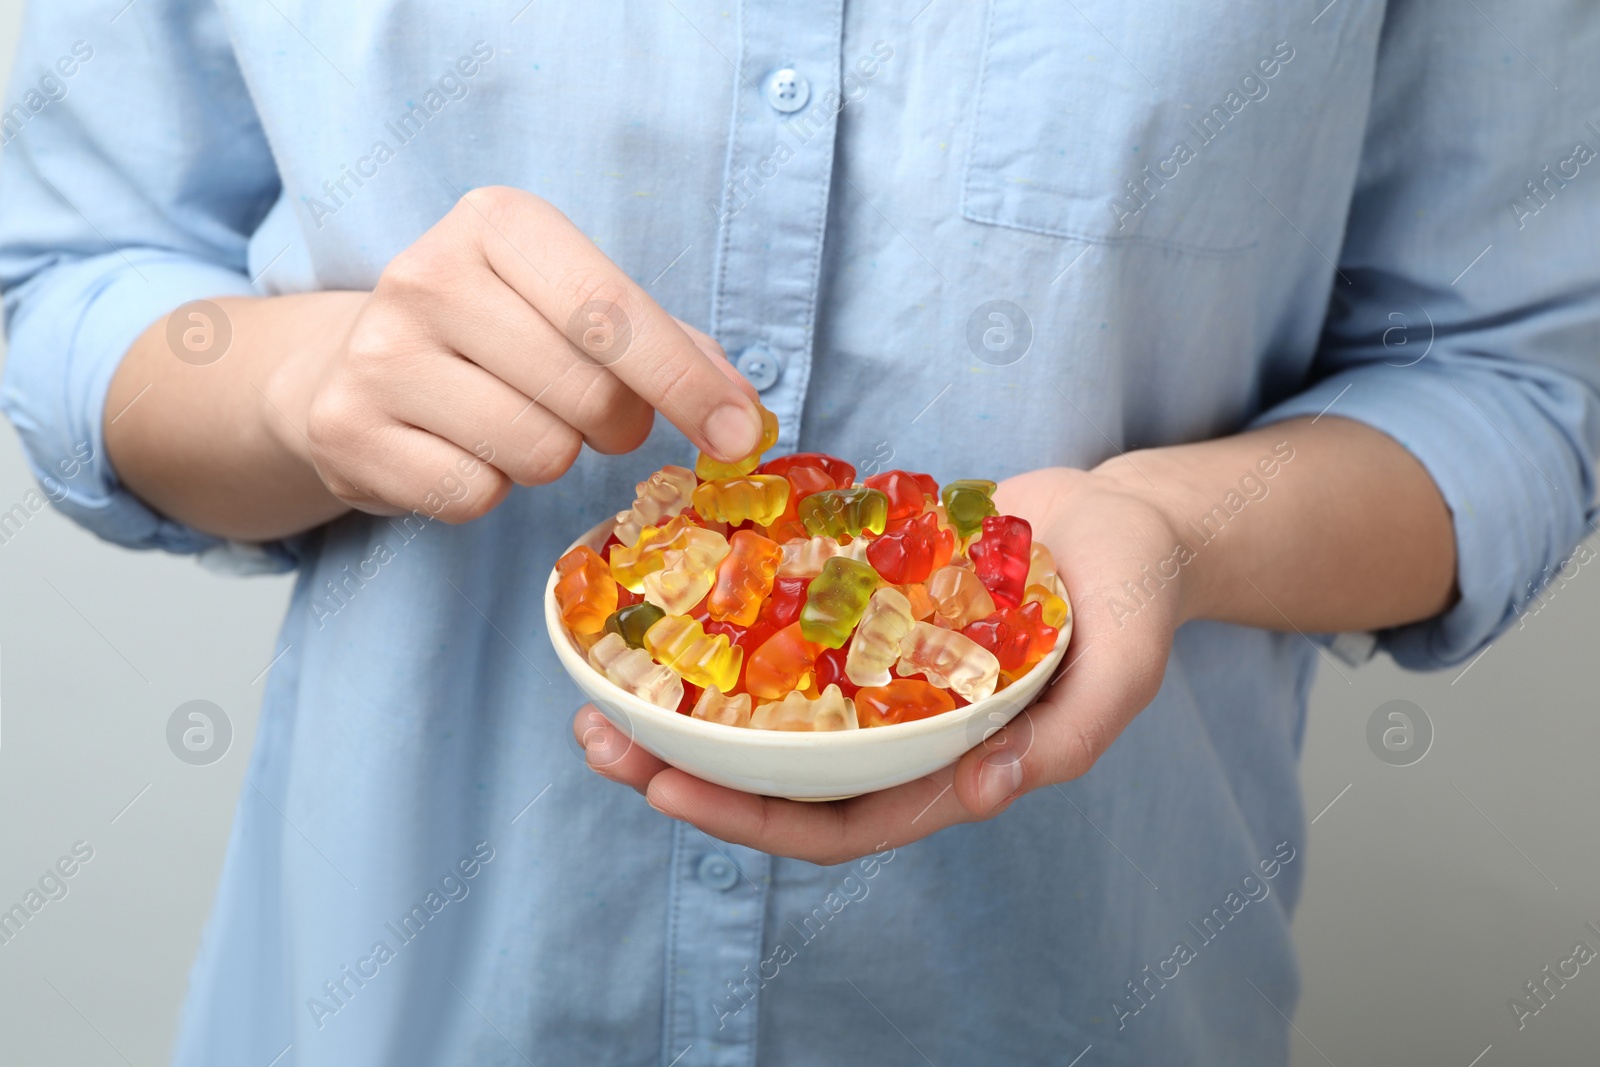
[710,469]
[630,564]
[758,498]
[1053,609]
[664,493]
[699,658]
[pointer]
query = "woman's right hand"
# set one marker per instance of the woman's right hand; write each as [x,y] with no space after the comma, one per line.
[503,335]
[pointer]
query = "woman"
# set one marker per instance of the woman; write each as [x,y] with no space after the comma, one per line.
[1278,322]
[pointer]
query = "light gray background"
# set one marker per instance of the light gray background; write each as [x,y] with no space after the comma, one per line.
[1434,891]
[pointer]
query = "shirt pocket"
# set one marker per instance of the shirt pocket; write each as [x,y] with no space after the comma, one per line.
[1127,122]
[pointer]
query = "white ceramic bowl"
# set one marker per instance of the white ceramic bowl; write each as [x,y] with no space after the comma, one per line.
[801,766]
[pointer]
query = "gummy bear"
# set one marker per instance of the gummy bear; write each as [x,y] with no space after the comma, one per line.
[907,492]
[783,606]
[1054,609]
[714,706]
[803,481]
[1043,635]
[631,622]
[967,503]
[904,552]
[702,659]
[585,592]
[876,644]
[901,700]
[1001,557]
[686,576]
[921,603]
[830,670]
[1018,637]
[661,496]
[1041,567]
[944,550]
[841,513]
[803,558]
[747,639]
[710,469]
[744,578]
[633,670]
[842,473]
[757,498]
[630,563]
[958,596]
[835,601]
[950,660]
[780,664]
[830,711]
[780,609]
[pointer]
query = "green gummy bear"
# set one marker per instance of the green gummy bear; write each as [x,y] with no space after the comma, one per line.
[967,503]
[631,622]
[839,513]
[835,600]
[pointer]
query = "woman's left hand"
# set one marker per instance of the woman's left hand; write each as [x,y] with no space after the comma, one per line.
[1108,538]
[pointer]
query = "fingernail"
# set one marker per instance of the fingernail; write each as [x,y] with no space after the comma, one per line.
[733,431]
[999,778]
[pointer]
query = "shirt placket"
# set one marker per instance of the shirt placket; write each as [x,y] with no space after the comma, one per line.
[714,934]
[773,207]
[771,212]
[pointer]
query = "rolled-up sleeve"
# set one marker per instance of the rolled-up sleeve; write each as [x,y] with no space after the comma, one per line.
[1465,318]
[131,186]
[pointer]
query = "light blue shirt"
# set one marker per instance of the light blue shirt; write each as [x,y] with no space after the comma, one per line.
[422,870]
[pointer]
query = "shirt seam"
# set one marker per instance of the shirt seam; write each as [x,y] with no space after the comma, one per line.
[724,228]
[670,956]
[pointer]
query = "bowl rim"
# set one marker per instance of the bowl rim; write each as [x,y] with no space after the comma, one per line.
[569,654]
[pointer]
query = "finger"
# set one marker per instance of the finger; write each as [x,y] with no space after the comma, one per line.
[516,344]
[608,317]
[492,327]
[611,753]
[391,469]
[713,351]
[466,405]
[824,833]
[1110,674]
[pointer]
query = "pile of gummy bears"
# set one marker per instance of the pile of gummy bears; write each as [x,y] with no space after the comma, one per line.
[780,595]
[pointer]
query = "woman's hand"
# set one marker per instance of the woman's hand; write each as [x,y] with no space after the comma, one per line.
[488,353]
[503,335]
[1103,532]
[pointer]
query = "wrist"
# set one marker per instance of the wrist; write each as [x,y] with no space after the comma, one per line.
[292,380]
[1181,562]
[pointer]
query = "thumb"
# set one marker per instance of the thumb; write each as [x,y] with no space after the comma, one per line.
[1110,675]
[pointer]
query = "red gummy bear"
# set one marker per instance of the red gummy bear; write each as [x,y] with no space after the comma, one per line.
[1018,637]
[1000,557]
[829,669]
[907,550]
[842,473]
[906,491]
[803,481]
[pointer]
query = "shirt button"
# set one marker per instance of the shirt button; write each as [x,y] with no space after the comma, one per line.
[759,367]
[787,90]
[717,872]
